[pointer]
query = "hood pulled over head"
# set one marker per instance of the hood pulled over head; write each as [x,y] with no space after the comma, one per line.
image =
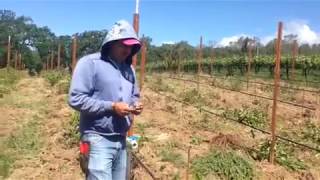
[121,30]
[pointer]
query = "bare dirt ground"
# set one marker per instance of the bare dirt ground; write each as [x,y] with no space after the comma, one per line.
[166,123]
[52,160]
[165,126]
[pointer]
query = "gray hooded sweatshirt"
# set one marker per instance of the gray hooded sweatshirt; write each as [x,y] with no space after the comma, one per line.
[97,81]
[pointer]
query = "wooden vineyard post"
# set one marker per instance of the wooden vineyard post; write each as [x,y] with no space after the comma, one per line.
[8,52]
[199,64]
[188,163]
[51,60]
[275,94]
[134,58]
[59,51]
[74,53]
[212,61]
[48,60]
[142,64]
[19,61]
[294,56]
[249,64]
[16,60]
[136,28]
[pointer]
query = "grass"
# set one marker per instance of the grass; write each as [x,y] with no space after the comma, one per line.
[23,143]
[141,131]
[72,134]
[204,122]
[194,97]
[27,140]
[53,77]
[224,164]
[284,155]
[159,85]
[63,85]
[312,133]
[8,78]
[196,140]
[169,154]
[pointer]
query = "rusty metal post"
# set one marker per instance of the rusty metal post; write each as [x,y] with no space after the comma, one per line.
[74,53]
[294,56]
[142,64]
[275,93]
[59,51]
[8,51]
[249,65]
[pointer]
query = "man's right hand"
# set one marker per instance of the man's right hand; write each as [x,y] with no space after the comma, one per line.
[121,108]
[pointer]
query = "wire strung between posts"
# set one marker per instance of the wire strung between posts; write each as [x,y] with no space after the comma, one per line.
[144,166]
[267,84]
[242,123]
[285,102]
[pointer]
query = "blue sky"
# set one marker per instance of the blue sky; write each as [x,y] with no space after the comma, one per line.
[176,20]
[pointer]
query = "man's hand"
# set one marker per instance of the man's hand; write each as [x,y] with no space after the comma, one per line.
[138,107]
[121,108]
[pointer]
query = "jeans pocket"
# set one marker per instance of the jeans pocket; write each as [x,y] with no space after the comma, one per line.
[92,138]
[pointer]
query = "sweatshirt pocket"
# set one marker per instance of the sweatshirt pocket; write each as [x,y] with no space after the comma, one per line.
[104,125]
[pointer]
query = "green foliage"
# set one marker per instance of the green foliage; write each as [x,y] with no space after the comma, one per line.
[253,117]
[312,133]
[23,142]
[5,165]
[8,78]
[27,140]
[159,85]
[141,131]
[169,154]
[53,77]
[196,140]
[194,97]
[90,41]
[203,122]
[64,85]
[284,155]
[227,165]
[236,84]
[72,134]
[32,61]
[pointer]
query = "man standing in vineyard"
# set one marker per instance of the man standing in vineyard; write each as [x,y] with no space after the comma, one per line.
[104,89]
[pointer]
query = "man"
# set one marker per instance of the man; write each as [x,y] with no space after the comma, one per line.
[104,89]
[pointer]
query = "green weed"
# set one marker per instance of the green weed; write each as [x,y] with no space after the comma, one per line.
[72,134]
[284,155]
[227,165]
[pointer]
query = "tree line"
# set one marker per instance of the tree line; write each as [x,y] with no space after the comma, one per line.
[36,44]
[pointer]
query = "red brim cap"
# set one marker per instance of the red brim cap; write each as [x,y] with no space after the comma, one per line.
[130,42]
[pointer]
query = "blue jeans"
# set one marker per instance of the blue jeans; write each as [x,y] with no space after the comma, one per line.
[107,157]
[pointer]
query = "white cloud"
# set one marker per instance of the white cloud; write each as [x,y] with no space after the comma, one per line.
[303,30]
[266,39]
[226,40]
[297,27]
[167,42]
